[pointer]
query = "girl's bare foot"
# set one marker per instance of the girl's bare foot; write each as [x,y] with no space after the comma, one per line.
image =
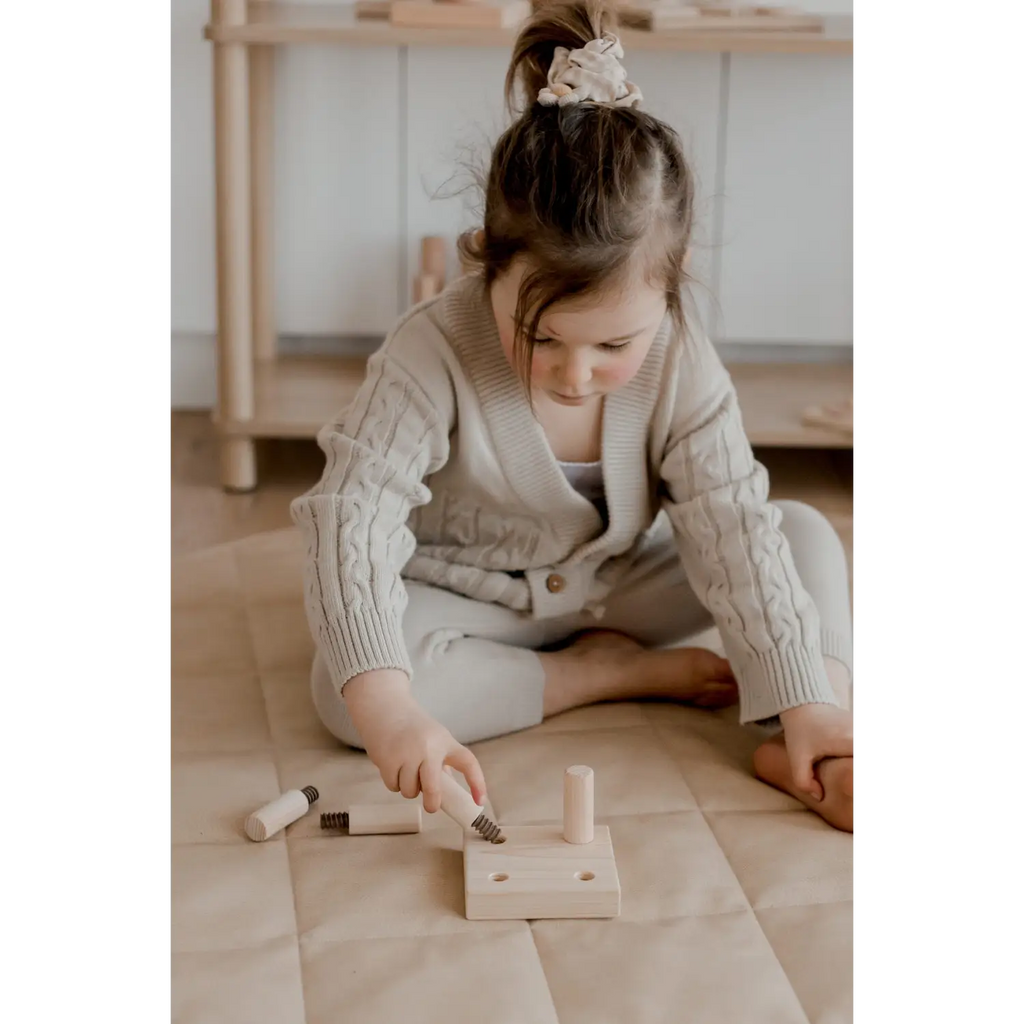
[602,665]
[771,765]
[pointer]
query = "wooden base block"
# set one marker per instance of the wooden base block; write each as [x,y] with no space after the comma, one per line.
[486,14]
[536,874]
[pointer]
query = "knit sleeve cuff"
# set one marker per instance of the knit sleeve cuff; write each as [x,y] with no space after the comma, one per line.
[778,680]
[837,645]
[366,643]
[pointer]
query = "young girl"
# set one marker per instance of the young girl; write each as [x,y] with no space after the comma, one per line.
[544,480]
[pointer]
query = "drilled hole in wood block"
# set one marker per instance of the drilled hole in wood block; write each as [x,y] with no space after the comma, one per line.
[500,877]
[585,876]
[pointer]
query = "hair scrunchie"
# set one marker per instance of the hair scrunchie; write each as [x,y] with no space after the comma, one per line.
[592,73]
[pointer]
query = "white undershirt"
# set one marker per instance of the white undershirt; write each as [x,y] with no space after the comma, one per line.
[588,479]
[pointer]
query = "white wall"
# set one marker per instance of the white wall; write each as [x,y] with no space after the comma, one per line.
[367,136]
[193,264]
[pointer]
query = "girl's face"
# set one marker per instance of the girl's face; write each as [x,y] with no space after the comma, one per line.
[585,348]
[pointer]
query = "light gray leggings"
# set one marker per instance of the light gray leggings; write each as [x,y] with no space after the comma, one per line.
[475,667]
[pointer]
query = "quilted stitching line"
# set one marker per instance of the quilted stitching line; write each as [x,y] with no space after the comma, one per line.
[657,732]
[277,771]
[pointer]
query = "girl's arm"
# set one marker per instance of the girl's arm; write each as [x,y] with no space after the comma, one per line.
[733,552]
[354,520]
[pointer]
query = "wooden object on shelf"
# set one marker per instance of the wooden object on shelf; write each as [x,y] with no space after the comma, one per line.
[433,265]
[434,257]
[424,286]
[774,396]
[276,23]
[539,872]
[658,16]
[373,10]
[837,416]
[485,14]
[640,13]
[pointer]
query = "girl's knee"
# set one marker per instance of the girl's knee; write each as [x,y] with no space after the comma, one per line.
[427,690]
[346,731]
[800,519]
[331,708]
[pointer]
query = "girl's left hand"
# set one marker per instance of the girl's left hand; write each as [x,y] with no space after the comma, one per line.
[814,732]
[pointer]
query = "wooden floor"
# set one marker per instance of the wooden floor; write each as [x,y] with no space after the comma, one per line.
[202,514]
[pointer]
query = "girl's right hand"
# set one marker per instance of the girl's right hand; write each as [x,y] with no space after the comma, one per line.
[409,748]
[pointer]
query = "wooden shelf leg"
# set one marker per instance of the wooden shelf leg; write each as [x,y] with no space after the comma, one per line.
[235,371]
[261,128]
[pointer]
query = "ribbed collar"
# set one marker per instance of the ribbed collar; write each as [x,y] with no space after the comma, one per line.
[522,446]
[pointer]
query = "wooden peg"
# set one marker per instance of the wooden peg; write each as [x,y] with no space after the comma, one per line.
[578,805]
[385,819]
[433,258]
[424,286]
[457,803]
[288,807]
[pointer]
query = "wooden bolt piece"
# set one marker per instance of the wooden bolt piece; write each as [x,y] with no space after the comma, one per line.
[457,803]
[578,805]
[385,819]
[271,818]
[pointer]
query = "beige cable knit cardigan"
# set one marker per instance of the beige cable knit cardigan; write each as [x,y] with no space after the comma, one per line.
[439,472]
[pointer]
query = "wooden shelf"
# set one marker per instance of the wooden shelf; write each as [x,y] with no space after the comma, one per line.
[292,23]
[297,395]
[773,397]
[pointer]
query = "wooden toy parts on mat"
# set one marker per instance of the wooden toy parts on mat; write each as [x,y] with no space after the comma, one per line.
[375,819]
[546,871]
[288,807]
[838,416]
[459,806]
[669,16]
[460,13]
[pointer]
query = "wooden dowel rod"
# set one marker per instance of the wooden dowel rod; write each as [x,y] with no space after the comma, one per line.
[578,805]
